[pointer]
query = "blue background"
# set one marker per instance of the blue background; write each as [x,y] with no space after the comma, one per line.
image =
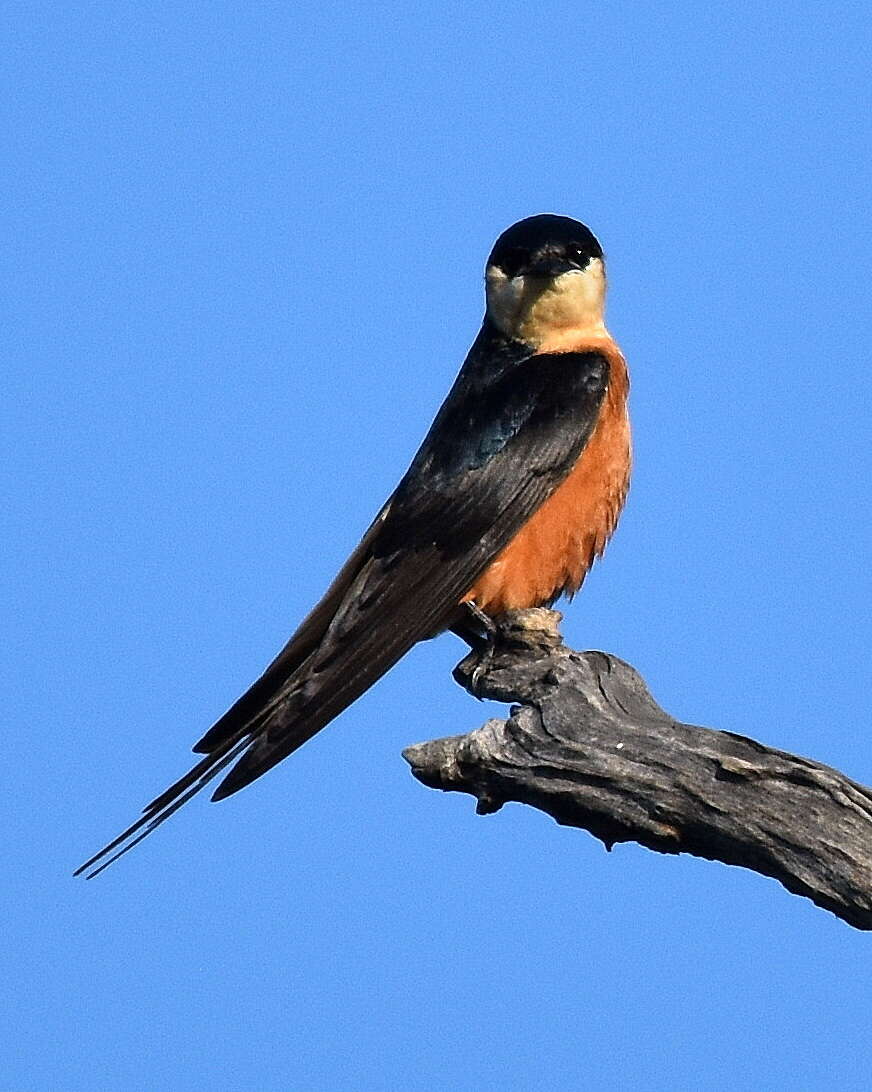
[243,259]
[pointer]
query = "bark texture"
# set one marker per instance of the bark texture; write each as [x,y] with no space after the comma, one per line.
[590,746]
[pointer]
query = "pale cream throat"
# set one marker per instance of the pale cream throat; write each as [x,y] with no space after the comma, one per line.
[552,314]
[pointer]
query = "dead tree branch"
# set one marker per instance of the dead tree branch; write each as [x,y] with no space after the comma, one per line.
[590,746]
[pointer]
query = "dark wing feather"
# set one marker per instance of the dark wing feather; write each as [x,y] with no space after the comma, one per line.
[306,639]
[495,453]
[482,475]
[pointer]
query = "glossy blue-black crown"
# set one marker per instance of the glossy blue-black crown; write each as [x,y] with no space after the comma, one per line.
[544,244]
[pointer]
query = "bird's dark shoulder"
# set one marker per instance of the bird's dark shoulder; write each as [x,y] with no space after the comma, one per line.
[509,417]
[547,391]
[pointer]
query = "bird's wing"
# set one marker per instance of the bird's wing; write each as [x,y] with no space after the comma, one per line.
[306,639]
[495,453]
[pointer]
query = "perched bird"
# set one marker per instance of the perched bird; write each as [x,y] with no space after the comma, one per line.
[511,497]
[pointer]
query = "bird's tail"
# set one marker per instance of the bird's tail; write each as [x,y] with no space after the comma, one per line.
[258,740]
[169,802]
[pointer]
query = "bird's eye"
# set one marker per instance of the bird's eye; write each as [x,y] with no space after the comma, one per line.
[577,254]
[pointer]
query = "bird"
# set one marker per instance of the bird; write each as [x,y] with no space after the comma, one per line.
[513,494]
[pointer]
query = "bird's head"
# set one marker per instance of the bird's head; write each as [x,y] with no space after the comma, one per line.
[545,282]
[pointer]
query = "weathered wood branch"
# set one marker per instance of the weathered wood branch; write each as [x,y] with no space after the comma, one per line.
[590,746]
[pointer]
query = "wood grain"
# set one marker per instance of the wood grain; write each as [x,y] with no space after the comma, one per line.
[589,745]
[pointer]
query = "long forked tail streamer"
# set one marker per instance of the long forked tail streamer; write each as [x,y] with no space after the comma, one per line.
[165,805]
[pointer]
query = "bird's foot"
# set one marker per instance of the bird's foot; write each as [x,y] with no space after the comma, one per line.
[473,668]
[475,627]
[496,642]
[484,659]
[479,631]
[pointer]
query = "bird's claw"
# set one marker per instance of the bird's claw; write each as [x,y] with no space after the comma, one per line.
[484,658]
[473,669]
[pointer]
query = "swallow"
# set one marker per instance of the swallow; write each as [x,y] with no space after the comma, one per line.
[513,494]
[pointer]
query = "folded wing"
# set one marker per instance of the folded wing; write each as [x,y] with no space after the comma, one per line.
[497,450]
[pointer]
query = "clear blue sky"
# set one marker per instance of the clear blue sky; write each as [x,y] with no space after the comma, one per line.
[243,255]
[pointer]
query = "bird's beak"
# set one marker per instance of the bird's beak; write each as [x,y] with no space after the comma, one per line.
[549,267]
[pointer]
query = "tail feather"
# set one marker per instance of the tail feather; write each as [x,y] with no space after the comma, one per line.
[262,755]
[250,735]
[167,804]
